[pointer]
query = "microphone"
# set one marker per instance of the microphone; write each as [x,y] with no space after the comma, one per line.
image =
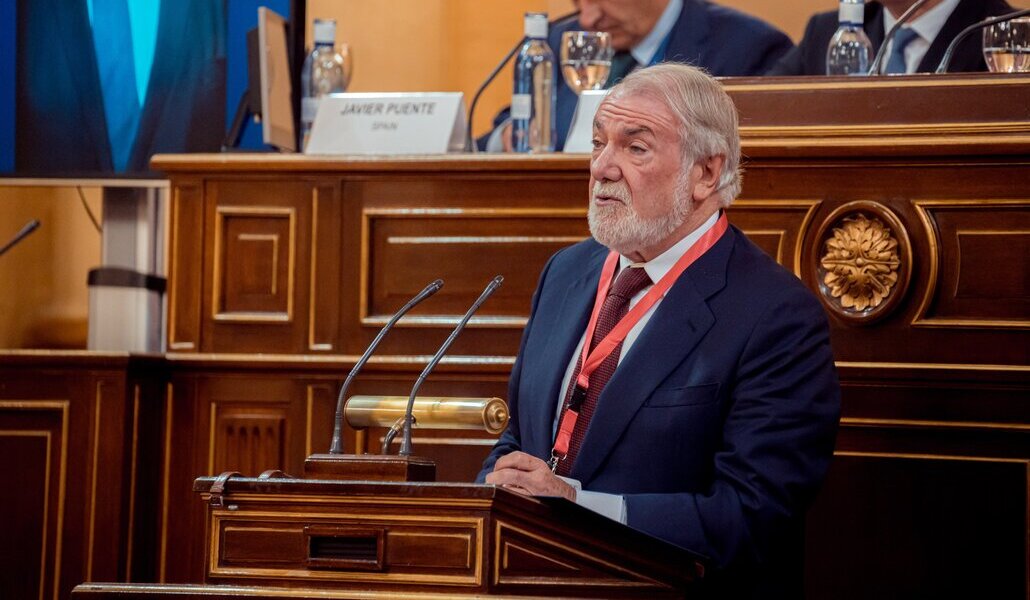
[336,447]
[470,145]
[877,67]
[490,289]
[25,231]
[946,61]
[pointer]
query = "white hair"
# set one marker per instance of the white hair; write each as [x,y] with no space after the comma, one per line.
[707,115]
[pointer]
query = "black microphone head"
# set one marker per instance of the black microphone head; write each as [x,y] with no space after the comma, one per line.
[436,285]
[497,281]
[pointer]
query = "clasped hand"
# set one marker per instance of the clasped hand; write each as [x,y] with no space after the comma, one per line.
[528,475]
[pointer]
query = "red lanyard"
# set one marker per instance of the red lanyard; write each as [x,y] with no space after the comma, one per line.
[591,359]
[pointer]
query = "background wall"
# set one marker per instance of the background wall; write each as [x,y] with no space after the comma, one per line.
[451,45]
[44,299]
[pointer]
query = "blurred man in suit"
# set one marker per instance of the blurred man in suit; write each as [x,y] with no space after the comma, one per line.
[704,409]
[920,44]
[94,97]
[721,40]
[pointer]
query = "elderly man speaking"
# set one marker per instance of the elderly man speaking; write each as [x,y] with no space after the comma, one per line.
[672,376]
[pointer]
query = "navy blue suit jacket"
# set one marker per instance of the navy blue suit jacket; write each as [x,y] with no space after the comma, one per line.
[809,57]
[61,127]
[724,41]
[719,423]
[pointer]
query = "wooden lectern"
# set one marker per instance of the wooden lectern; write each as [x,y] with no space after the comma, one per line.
[454,539]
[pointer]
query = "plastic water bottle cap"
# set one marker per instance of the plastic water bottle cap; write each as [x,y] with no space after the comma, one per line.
[851,12]
[324,31]
[536,25]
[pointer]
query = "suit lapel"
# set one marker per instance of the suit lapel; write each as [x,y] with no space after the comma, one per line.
[688,41]
[566,327]
[966,13]
[673,332]
[82,59]
[874,26]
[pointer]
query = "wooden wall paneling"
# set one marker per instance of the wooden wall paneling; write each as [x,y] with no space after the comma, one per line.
[185,266]
[258,265]
[901,188]
[919,526]
[982,266]
[464,227]
[326,285]
[777,226]
[65,424]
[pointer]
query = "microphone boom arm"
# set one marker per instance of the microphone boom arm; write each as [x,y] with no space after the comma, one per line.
[405,449]
[336,446]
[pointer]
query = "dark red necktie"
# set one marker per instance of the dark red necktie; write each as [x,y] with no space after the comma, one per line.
[616,304]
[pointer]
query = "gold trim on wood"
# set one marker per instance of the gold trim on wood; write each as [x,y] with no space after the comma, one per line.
[364,277]
[810,207]
[46,493]
[309,409]
[867,83]
[932,366]
[484,239]
[862,265]
[253,317]
[218,517]
[63,406]
[779,233]
[641,580]
[930,225]
[921,424]
[313,278]
[166,484]
[93,482]
[132,481]
[956,457]
[173,295]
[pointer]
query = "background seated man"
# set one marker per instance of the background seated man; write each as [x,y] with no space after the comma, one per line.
[707,402]
[722,40]
[934,26]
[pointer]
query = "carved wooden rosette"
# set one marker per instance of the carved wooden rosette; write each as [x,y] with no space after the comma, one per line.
[864,262]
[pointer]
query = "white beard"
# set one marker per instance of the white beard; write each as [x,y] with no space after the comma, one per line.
[620,228]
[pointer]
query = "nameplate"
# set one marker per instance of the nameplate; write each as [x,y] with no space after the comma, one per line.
[389,123]
[581,132]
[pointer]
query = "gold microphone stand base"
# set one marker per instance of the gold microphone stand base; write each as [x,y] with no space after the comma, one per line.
[369,467]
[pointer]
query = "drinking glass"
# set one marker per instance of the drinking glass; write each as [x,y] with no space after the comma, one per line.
[1007,46]
[586,59]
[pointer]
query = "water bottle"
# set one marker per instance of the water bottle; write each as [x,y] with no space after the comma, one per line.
[323,74]
[534,99]
[850,49]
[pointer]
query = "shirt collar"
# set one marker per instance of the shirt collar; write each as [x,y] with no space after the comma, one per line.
[645,51]
[927,25]
[658,266]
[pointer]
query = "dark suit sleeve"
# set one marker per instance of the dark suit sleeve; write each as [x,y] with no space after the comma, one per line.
[775,46]
[510,440]
[793,62]
[777,441]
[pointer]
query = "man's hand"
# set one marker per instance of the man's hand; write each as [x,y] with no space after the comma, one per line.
[528,475]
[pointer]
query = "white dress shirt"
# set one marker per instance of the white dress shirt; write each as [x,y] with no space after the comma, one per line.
[613,506]
[927,25]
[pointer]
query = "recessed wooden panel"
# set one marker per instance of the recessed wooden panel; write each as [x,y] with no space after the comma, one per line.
[34,436]
[776,226]
[525,559]
[405,250]
[248,439]
[263,544]
[417,547]
[910,527]
[24,515]
[254,264]
[184,276]
[982,267]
